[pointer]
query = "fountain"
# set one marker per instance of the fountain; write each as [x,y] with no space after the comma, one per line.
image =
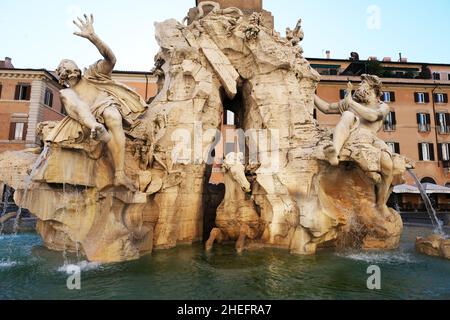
[133,176]
[438,244]
[437,223]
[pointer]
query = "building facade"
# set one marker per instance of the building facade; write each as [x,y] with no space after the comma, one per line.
[27,97]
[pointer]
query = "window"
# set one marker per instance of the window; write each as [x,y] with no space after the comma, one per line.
[230,118]
[229,148]
[441,98]
[443,122]
[343,92]
[422,97]
[23,92]
[436,76]
[444,151]
[48,98]
[394,146]
[426,152]
[18,131]
[424,122]
[388,96]
[390,122]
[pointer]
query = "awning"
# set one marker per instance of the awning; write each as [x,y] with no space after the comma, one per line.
[430,188]
[433,188]
[406,188]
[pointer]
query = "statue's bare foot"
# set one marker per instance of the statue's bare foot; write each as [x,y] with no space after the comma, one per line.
[99,133]
[331,155]
[121,180]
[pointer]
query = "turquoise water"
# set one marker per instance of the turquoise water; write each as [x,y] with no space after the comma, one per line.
[30,271]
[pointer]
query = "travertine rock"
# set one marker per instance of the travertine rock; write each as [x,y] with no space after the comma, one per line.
[435,246]
[221,60]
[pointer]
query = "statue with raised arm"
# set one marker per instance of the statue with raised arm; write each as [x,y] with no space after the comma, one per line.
[297,35]
[362,118]
[95,102]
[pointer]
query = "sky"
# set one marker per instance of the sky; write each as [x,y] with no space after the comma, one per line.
[39,33]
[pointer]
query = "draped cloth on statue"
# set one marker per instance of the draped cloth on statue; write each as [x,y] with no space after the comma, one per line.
[130,105]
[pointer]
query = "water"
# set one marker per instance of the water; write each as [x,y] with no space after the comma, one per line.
[188,272]
[40,161]
[437,224]
[5,207]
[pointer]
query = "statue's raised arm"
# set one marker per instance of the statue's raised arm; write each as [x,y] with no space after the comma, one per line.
[86,27]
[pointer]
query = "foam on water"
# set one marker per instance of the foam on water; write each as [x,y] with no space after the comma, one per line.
[379,257]
[82,265]
[7,264]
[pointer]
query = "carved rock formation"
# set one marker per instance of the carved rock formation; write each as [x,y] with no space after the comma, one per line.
[223,58]
[435,246]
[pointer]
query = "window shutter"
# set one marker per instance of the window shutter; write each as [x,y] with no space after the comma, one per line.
[1,87]
[440,157]
[428,116]
[16,94]
[438,120]
[25,129]
[51,99]
[392,96]
[435,97]
[394,118]
[397,148]
[445,98]
[447,119]
[28,93]
[427,97]
[12,130]
[416,97]
[418,118]
[342,94]
[420,152]
[432,152]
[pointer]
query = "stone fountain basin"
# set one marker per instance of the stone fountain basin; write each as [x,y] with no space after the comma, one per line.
[434,245]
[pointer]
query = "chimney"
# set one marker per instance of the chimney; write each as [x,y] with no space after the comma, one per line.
[387,59]
[372,58]
[328,53]
[8,63]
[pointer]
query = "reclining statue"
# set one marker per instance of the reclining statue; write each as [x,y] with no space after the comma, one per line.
[94,101]
[362,118]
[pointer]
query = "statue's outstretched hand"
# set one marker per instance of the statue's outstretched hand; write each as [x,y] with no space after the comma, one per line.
[344,105]
[86,27]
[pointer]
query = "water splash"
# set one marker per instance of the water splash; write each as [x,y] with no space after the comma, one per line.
[7,264]
[437,224]
[6,197]
[379,257]
[83,265]
[41,160]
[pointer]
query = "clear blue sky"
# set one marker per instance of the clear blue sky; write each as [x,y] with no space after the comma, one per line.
[38,33]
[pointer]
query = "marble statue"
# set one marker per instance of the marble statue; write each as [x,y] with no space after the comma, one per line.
[237,218]
[94,101]
[123,178]
[362,117]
